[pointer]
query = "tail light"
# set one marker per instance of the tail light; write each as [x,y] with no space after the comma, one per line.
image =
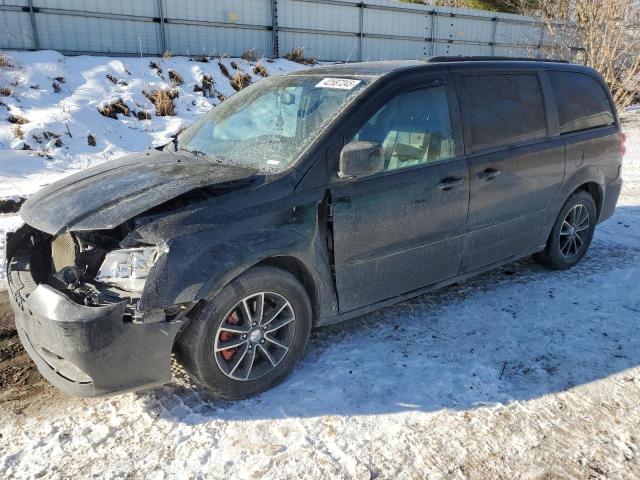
[623,147]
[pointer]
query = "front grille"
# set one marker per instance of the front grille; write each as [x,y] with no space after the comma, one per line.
[64,250]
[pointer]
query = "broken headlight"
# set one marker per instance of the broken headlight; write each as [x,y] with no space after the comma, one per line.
[127,268]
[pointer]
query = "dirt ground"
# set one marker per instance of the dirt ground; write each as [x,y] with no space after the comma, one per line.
[22,388]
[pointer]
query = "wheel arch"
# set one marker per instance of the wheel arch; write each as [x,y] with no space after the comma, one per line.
[595,190]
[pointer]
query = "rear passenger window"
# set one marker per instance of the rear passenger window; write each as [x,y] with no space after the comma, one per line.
[503,109]
[582,102]
[413,128]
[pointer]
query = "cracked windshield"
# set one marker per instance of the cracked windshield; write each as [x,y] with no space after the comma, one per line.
[266,127]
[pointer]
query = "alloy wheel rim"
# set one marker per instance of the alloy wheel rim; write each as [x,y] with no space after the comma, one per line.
[255,336]
[573,232]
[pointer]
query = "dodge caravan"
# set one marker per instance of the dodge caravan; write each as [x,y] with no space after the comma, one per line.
[304,200]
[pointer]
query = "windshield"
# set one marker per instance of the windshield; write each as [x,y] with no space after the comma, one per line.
[267,126]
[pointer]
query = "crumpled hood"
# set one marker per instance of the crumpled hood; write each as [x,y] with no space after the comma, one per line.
[105,196]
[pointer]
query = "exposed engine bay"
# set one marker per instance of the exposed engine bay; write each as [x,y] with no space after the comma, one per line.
[71,262]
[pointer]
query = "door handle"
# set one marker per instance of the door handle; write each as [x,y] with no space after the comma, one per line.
[489,173]
[450,182]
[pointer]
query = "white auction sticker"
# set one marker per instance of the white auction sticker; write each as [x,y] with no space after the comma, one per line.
[339,83]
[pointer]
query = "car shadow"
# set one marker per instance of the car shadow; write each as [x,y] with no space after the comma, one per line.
[513,334]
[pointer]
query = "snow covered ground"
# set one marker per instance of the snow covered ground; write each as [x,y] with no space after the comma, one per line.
[519,373]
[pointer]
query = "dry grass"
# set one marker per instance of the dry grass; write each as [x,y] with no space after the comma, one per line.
[91,140]
[154,66]
[206,86]
[250,55]
[240,81]
[201,58]
[167,55]
[221,97]
[112,79]
[143,115]
[17,119]
[18,133]
[297,55]
[224,70]
[112,109]
[162,99]
[5,92]
[176,78]
[260,70]
[6,62]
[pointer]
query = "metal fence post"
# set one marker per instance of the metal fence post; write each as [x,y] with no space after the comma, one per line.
[163,38]
[493,35]
[275,50]
[433,13]
[34,28]
[361,31]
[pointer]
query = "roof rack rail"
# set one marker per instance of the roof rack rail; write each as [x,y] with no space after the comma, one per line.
[443,58]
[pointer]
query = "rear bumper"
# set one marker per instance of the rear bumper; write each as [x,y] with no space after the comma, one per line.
[611,194]
[88,351]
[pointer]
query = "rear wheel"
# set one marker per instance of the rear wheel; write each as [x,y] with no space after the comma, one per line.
[250,337]
[572,233]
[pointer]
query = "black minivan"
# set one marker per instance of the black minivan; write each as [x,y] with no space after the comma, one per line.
[304,200]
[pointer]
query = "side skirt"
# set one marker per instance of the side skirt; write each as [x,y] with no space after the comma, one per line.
[421,291]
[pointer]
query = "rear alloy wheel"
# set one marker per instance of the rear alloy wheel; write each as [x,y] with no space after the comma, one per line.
[571,234]
[250,336]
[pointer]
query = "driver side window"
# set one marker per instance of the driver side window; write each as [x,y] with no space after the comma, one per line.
[413,128]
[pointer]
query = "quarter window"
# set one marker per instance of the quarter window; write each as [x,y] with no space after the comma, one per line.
[413,128]
[582,102]
[503,109]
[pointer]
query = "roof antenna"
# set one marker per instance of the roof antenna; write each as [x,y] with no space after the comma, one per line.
[144,76]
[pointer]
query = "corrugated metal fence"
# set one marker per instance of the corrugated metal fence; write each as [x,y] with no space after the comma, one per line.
[335,30]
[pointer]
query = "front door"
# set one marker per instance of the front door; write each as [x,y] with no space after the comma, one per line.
[403,228]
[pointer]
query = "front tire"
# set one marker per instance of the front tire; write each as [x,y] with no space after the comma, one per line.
[249,338]
[571,234]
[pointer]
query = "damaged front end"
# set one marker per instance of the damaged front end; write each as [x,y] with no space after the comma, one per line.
[75,297]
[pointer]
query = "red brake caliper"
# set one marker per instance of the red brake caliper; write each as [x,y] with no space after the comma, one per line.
[224,336]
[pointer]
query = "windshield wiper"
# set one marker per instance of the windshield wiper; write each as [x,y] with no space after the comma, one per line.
[200,153]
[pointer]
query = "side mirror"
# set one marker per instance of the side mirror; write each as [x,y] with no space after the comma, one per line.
[359,159]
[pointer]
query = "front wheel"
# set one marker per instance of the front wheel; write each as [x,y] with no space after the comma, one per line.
[250,337]
[571,234]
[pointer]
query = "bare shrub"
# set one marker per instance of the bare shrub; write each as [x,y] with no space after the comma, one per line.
[600,34]
[162,99]
[5,61]
[112,109]
[91,140]
[250,55]
[5,92]
[260,70]
[25,146]
[240,81]
[59,79]
[18,133]
[176,78]
[297,55]
[206,86]
[112,79]
[234,65]
[17,119]
[56,87]
[224,70]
